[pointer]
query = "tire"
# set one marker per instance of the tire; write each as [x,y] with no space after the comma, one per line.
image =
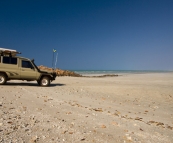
[3,79]
[45,81]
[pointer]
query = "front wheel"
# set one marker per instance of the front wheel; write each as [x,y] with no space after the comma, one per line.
[45,81]
[3,79]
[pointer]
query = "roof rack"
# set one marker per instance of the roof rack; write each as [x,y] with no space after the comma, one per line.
[9,52]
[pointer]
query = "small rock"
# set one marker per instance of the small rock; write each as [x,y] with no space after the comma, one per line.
[103,126]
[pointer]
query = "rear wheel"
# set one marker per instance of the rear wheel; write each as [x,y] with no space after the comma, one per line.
[45,81]
[3,79]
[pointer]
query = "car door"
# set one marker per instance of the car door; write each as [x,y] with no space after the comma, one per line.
[28,72]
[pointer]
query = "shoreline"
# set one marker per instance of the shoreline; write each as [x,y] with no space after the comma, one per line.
[97,73]
[121,74]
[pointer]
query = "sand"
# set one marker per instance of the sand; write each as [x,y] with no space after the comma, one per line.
[129,108]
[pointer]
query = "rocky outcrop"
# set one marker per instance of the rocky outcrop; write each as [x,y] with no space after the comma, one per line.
[60,72]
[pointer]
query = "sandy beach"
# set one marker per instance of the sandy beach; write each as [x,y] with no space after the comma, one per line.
[128,108]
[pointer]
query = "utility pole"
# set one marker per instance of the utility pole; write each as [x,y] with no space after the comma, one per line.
[53,57]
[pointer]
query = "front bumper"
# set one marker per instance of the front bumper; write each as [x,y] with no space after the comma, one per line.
[53,76]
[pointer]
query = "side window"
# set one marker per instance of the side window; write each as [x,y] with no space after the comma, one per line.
[10,60]
[27,64]
[6,60]
[14,61]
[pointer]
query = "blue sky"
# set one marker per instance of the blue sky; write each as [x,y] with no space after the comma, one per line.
[91,34]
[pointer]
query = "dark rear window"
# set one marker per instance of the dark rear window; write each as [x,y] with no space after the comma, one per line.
[10,60]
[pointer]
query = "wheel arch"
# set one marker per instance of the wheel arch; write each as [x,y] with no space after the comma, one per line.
[44,75]
[2,72]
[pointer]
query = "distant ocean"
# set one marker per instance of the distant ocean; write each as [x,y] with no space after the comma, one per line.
[117,72]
